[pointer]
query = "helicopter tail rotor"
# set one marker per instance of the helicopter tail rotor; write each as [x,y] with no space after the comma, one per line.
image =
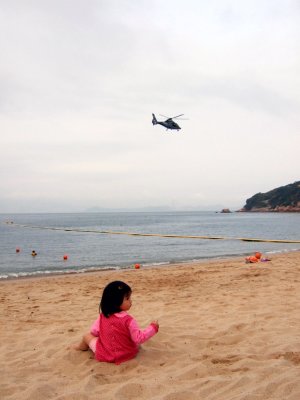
[154,120]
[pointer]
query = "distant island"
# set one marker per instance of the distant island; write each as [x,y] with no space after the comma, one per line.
[282,199]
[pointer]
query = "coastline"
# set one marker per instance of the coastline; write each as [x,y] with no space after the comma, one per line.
[162,264]
[100,270]
[228,330]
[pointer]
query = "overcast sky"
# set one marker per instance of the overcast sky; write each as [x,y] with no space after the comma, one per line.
[79,80]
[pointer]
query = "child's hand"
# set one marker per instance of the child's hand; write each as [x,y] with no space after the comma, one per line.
[156,324]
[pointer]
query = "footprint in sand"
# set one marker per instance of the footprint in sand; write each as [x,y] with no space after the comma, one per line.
[181,395]
[131,391]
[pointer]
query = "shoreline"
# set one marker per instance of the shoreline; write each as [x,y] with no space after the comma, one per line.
[227,330]
[86,270]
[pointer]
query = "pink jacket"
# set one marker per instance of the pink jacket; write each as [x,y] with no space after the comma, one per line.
[119,337]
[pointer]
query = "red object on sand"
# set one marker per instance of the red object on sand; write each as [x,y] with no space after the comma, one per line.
[251,259]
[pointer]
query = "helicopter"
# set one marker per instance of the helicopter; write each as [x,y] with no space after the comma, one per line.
[168,123]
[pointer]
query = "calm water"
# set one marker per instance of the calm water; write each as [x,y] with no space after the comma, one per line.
[87,251]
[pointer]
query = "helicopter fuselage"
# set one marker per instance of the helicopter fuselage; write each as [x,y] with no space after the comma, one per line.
[168,123]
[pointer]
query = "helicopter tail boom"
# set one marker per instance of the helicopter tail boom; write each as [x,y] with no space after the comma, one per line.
[154,120]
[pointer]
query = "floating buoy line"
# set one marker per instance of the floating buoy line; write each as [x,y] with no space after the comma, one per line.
[156,234]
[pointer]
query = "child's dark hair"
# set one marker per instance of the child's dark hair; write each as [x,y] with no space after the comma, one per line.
[113,296]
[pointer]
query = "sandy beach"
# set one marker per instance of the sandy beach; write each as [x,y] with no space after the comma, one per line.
[228,330]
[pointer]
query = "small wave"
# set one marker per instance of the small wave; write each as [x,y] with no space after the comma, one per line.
[16,275]
[156,264]
[281,251]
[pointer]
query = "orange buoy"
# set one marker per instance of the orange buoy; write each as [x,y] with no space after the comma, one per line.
[65,257]
[137,266]
[258,255]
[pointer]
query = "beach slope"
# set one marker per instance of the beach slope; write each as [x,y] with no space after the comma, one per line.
[228,330]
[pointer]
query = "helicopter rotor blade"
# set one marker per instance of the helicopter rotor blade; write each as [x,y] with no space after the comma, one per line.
[164,116]
[177,116]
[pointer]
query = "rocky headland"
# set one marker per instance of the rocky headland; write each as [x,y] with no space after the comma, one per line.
[282,199]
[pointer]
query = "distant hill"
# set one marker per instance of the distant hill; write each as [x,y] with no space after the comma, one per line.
[137,209]
[282,199]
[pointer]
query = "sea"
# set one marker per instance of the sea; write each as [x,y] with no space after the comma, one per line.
[73,242]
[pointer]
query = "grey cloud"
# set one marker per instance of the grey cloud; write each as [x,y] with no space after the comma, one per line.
[249,95]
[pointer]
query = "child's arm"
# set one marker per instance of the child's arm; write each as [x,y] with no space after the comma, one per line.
[140,336]
[94,330]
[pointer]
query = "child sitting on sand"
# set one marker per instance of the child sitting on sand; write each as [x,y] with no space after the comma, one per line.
[115,335]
